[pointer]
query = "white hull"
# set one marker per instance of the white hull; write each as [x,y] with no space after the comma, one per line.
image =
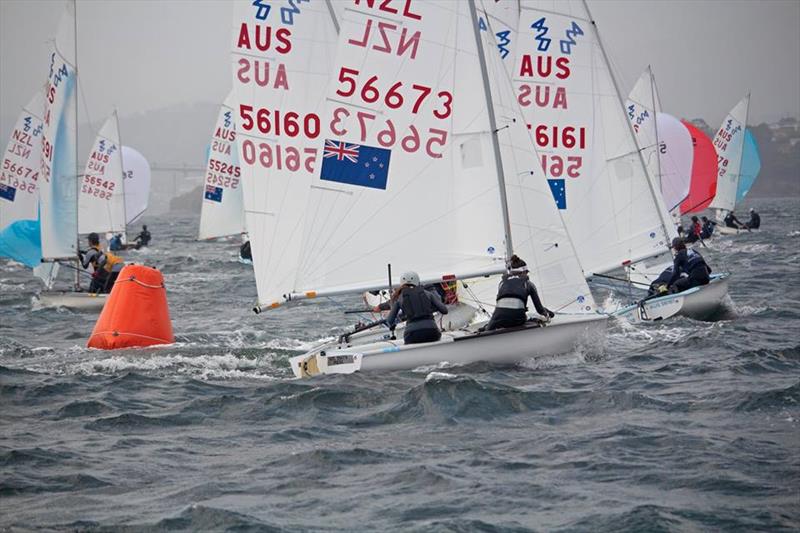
[725,230]
[84,301]
[457,347]
[699,303]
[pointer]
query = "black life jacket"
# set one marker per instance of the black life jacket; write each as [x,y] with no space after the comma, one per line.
[416,304]
[694,260]
[514,287]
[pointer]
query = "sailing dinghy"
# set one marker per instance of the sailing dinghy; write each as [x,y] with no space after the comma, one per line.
[739,164]
[358,158]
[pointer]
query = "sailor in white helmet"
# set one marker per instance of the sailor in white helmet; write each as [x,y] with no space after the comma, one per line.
[418,306]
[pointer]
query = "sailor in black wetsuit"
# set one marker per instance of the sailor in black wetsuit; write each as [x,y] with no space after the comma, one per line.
[755,220]
[708,228]
[732,222]
[661,284]
[418,306]
[143,239]
[512,298]
[688,262]
[245,252]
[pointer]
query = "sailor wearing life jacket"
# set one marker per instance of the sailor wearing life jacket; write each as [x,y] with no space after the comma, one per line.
[106,265]
[512,298]
[688,262]
[418,306]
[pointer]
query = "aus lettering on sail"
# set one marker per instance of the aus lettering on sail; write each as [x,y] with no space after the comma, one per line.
[95,181]
[545,76]
[59,83]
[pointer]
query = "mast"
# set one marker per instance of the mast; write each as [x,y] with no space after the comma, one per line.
[501,181]
[78,268]
[122,174]
[655,122]
[333,15]
[664,222]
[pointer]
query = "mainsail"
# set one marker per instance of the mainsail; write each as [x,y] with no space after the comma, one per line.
[101,199]
[222,211]
[58,177]
[729,143]
[703,187]
[394,163]
[19,192]
[570,102]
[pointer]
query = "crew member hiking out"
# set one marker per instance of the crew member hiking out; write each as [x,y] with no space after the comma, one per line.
[512,298]
[106,266]
[732,222]
[688,262]
[417,306]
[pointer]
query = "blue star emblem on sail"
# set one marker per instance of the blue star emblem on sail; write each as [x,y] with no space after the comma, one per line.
[558,188]
[355,164]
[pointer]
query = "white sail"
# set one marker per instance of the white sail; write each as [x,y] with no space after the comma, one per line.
[613,212]
[500,18]
[282,61]
[729,143]
[538,232]
[19,193]
[58,178]
[101,198]
[137,183]
[676,153]
[222,211]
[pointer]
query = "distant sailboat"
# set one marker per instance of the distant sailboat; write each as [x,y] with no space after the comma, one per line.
[665,143]
[739,162]
[222,211]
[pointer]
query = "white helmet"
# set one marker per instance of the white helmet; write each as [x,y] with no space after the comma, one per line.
[409,278]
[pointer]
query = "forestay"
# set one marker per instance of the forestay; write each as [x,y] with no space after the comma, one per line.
[58,177]
[19,193]
[137,183]
[569,100]
[282,61]
[751,166]
[729,142]
[223,206]
[101,199]
[703,186]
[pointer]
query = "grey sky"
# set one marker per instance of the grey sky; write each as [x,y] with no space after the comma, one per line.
[144,54]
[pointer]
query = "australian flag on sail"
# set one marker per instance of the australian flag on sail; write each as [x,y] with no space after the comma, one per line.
[355,164]
[213,193]
[8,192]
[558,188]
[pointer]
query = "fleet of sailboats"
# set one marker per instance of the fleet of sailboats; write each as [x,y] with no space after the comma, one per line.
[441,137]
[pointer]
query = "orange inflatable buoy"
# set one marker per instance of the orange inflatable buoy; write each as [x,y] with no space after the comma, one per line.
[136,312]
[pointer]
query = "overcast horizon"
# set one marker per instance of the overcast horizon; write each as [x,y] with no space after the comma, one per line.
[141,56]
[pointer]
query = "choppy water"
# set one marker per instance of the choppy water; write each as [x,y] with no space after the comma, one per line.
[682,425]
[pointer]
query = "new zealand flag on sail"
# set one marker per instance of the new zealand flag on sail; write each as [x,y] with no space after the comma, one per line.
[354,164]
[558,188]
[213,193]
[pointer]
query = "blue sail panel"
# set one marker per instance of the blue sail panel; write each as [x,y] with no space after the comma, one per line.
[21,242]
[751,165]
